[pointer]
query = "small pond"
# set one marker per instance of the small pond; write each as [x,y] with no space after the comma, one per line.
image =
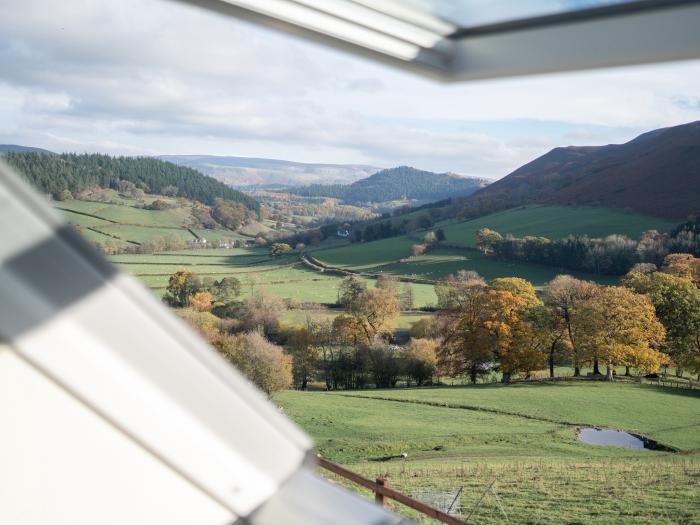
[612,438]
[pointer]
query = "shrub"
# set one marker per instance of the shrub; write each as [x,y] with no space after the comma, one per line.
[262,362]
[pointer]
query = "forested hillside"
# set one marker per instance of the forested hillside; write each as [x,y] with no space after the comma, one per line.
[398,183]
[77,172]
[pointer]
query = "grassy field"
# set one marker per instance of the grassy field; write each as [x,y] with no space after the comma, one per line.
[392,256]
[556,222]
[519,437]
[254,268]
[125,219]
[366,255]
[441,262]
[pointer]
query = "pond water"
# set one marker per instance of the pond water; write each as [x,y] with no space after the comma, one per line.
[612,438]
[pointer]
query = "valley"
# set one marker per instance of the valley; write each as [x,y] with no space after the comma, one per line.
[454,343]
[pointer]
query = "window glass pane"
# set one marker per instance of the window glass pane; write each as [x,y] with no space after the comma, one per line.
[470,13]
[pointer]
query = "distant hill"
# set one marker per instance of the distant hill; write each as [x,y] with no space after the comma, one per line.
[76,172]
[14,148]
[398,183]
[657,173]
[248,172]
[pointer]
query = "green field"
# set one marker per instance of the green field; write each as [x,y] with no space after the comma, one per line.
[441,262]
[282,276]
[392,256]
[123,218]
[555,222]
[359,256]
[523,439]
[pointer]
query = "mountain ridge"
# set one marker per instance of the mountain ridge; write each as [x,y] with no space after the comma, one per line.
[257,172]
[657,173]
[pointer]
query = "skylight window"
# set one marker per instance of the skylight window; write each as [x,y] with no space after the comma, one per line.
[475,39]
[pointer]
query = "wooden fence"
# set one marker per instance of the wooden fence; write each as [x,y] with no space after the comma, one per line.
[382,492]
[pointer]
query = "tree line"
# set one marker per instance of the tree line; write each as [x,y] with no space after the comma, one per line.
[503,326]
[611,255]
[77,172]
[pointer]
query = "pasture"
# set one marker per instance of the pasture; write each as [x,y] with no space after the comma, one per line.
[555,222]
[123,220]
[283,276]
[522,438]
[392,256]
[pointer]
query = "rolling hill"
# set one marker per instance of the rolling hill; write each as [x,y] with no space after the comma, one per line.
[77,172]
[247,172]
[398,183]
[14,148]
[657,173]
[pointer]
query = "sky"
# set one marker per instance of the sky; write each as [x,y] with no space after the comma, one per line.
[147,77]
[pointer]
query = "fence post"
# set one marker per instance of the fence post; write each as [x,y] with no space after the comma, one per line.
[379,498]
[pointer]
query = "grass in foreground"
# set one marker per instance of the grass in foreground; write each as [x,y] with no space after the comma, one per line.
[541,472]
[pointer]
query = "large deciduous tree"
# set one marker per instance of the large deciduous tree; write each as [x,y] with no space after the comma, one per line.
[182,285]
[563,296]
[376,313]
[677,304]
[486,239]
[620,327]
[466,345]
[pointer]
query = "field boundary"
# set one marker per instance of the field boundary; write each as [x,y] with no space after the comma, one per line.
[460,406]
[381,490]
[319,266]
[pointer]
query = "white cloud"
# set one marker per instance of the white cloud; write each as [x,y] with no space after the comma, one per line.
[150,76]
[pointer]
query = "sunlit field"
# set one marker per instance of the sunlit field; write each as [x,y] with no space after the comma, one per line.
[556,222]
[521,440]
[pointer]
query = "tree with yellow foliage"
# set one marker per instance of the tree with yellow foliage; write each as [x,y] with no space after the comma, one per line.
[201,301]
[420,357]
[521,340]
[683,265]
[620,327]
[376,312]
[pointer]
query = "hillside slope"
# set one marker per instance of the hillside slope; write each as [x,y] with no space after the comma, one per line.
[246,172]
[77,172]
[402,182]
[657,173]
[15,148]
